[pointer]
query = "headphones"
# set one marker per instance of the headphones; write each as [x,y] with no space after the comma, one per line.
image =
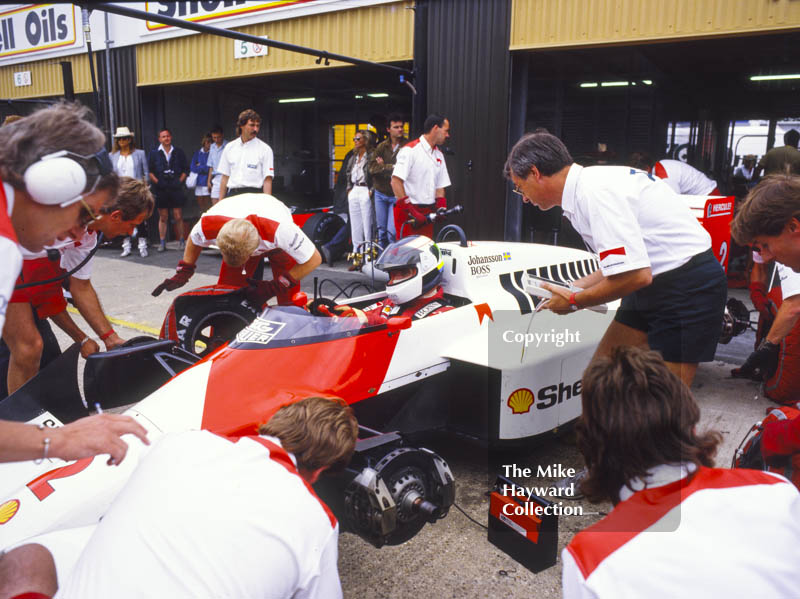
[61,178]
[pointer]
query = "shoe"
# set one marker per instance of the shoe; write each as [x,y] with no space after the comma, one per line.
[162,247]
[182,244]
[327,258]
[570,486]
[143,251]
[353,267]
[126,251]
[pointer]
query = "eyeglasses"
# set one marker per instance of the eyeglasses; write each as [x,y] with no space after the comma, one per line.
[87,216]
[518,191]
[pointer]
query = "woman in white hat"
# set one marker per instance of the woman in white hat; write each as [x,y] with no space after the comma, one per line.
[130,162]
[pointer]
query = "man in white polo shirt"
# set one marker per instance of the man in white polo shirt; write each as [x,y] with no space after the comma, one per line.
[419,179]
[246,164]
[246,229]
[653,253]
[679,527]
[681,177]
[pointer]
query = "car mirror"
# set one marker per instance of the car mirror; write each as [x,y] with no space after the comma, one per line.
[398,323]
[300,299]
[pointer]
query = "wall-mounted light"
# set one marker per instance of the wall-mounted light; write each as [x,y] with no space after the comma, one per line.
[774,77]
[614,84]
[647,82]
[588,85]
[294,100]
[379,95]
[358,97]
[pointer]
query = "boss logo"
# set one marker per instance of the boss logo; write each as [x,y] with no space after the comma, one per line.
[480,270]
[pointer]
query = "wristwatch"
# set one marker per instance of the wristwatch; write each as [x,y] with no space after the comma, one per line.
[573,303]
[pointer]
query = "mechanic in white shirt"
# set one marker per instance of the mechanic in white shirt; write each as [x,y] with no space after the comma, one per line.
[132,205]
[683,178]
[246,164]
[419,178]
[258,226]
[214,154]
[679,526]
[653,253]
[209,516]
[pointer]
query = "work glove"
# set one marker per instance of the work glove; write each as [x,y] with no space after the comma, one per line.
[260,292]
[418,218]
[761,364]
[183,273]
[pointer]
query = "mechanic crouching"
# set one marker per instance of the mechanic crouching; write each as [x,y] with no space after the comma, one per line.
[247,229]
[414,265]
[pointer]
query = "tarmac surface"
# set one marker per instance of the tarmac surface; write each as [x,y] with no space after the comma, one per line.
[451,558]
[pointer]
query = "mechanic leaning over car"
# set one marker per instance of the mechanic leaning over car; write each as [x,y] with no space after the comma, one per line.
[133,203]
[53,180]
[246,229]
[209,516]
[414,265]
[653,252]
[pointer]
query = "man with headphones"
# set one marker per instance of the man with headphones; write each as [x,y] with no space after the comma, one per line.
[132,205]
[54,178]
[414,265]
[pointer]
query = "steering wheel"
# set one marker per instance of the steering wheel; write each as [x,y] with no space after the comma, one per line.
[451,228]
[314,306]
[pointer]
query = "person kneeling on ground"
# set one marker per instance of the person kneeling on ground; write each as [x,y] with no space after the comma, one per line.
[667,536]
[414,265]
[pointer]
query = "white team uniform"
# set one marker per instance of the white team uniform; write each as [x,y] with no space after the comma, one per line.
[683,178]
[72,252]
[790,280]
[246,164]
[214,154]
[724,533]
[631,219]
[422,169]
[205,516]
[10,255]
[269,215]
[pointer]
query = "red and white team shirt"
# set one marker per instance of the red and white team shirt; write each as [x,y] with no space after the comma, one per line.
[422,169]
[422,307]
[271,217]
[207,516]
[631,219]
[721,533]
[790,280]
[10,255]
[683,178]
[246,164]
[73,252]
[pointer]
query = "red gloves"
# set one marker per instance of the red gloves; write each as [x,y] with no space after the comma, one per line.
[182,275]
[260,292]
[441,203]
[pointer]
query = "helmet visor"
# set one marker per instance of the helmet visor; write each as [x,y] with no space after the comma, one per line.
[396,256]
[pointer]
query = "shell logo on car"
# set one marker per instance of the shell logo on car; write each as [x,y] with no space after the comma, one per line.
[8,510]
[520,401]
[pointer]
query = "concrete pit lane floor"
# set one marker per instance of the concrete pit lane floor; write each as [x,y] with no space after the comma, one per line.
[451,558]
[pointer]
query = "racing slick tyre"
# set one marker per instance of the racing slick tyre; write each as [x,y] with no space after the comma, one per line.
[322,226]
[205,325]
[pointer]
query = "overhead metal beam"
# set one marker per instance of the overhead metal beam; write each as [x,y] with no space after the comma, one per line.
[237,35]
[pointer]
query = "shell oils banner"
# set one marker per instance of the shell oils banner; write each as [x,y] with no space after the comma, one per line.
[206,11]
[37,28]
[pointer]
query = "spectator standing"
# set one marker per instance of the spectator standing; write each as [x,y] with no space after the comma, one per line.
[784,160]
[333,250]
[246,163]
[128,161]
[168,171]
[358,198]
[419,178]
[214,154]
[199,166]
[714,532]
[381,167]
[746,170]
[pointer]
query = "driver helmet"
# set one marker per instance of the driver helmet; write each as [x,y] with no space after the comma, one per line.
[414,265]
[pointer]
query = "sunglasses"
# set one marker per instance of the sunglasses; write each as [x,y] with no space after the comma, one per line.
[357,138]
[86,215]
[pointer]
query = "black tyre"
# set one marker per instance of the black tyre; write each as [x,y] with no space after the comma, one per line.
[322,226]
[209,322]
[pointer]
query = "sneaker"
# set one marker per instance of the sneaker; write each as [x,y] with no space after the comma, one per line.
[126,251]
[143,251]
[571,485]
[162,247]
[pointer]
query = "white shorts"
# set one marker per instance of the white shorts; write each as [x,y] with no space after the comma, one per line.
[215,181]
[202,190]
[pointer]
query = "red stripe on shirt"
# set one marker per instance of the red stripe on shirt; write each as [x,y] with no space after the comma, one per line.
[644,508]
[660,171]
[413,143]
[6,228]
[606,253]
[266,227]
[211,225]
[278,454]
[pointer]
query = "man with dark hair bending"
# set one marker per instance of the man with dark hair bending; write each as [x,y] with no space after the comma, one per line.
[679,527]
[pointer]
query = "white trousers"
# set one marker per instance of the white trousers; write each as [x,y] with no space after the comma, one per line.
[361,218]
